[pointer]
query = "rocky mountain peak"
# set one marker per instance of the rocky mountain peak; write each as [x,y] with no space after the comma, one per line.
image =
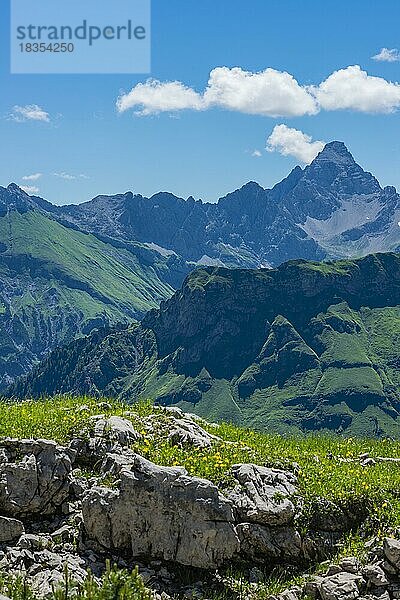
[335,171]
[335,152]
[14,198]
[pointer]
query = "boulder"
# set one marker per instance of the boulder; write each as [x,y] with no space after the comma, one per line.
[376,575]
[342,586]
[116,429]
[263,495]
[391,548]
[290,594]
[186,432]
[351,564]
[162,513]
[105,435]
[34,477]
[311,588]
[10,529]
[181,429]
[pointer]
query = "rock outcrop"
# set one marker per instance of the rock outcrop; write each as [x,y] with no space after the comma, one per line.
[132,511]
[162,513]
[34,477]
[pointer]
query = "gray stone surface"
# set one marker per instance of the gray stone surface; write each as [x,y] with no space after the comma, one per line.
[10,529]
[342,586]
[391,548]
[34,477]
[263,495]
[375,574]
[258,541]
[116,429]
[161,512]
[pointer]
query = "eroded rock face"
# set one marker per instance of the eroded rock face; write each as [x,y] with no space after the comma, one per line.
[104,436]
[391,548]
[116,429]
[186,432]
[181,429]
[10,529]
[263,495]
[342,586]
[260,542]
[34,477]
[162,513]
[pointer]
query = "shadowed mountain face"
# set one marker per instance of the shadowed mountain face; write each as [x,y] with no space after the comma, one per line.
[66,270]
[330,208]
[307,346]
[58,283]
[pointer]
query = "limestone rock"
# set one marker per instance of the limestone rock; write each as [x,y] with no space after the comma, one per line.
[186,432]
[311,587]
[342,586]
[161,512]
[10,529]
[181,429]
[259,542]
[391,548]
[105,435]
[351,564]
[376,575]
[116,429]
[34,477]
[263,495]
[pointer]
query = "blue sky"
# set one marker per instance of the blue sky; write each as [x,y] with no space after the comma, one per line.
[206,152]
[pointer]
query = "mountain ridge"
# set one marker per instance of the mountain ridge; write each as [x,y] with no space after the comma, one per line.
[306,346]
[145,247]
[331,208]
[57,283]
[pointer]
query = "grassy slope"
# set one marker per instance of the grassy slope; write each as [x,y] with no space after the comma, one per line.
[57,283]
[306,356]
[110,273]
[326,462]
[354,389]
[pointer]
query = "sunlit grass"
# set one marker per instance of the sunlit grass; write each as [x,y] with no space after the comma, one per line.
[326,466]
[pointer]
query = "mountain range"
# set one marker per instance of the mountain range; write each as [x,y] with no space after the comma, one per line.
[68,270]
[331,208]
[306,346]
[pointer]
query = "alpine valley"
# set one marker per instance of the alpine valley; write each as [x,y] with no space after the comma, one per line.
[291,346]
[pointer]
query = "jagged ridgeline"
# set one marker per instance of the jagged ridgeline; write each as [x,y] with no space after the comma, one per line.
[65,270]
[307,346]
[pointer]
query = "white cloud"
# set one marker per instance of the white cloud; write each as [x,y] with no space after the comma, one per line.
[33,177]
[153,97]
[70,177]
[269,93]
[386,55]
[256,154]
[30,112]
[354,89]
[30,189]
[292,142]
[65,176]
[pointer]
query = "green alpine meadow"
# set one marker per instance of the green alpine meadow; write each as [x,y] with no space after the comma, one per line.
[302,348]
